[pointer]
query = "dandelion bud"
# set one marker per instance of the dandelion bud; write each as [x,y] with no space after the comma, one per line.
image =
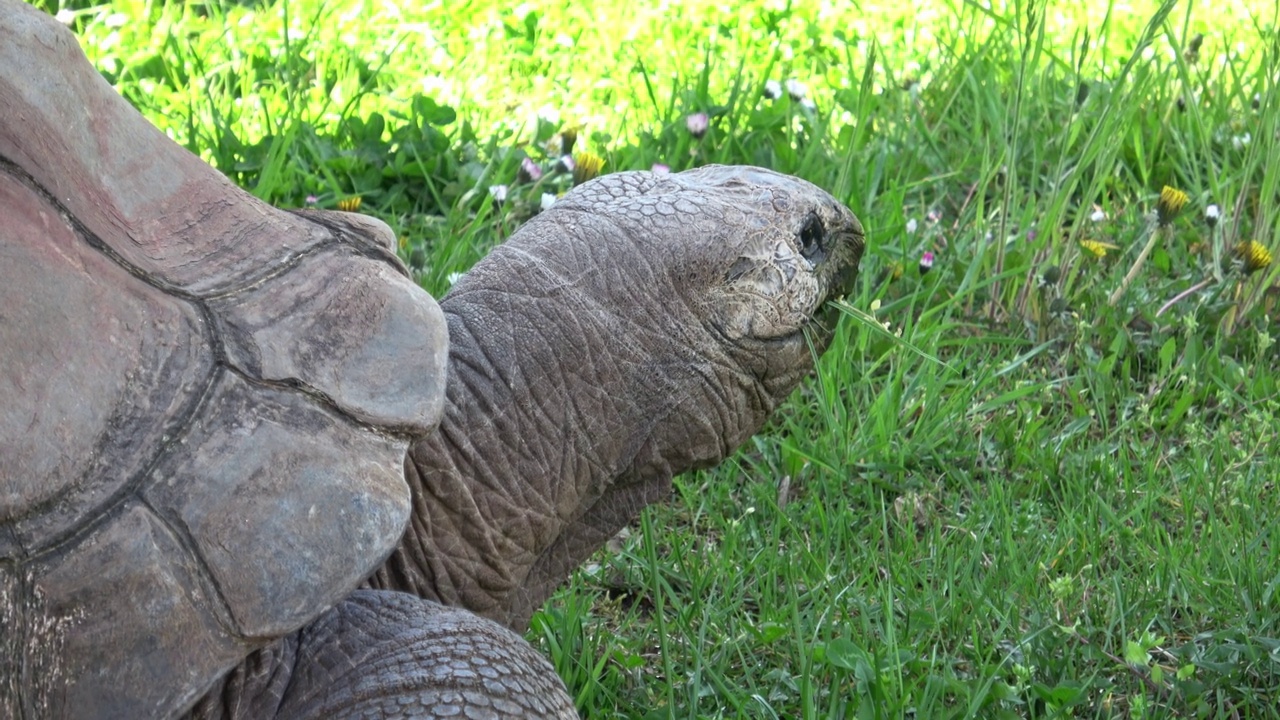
[1082,93]
[350,204]
[567,139]
[1050,276]
[1192,53]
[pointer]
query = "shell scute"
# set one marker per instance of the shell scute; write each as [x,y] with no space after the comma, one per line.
[288,505]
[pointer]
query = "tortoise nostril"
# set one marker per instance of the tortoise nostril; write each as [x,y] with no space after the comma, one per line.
[812,237]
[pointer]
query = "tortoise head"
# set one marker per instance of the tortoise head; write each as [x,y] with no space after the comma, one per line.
[785,247]
[730,263]
[643,326]
[689,298]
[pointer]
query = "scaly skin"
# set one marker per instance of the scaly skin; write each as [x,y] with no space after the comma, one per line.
[391,655]
[645,326]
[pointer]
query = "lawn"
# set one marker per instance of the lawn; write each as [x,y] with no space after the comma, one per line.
[1032,476]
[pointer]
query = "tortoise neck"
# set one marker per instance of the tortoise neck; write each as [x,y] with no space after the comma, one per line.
[569,407]
[539,459]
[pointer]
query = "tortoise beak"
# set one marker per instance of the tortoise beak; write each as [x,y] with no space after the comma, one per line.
[849,242]
[847,246]
[847,273]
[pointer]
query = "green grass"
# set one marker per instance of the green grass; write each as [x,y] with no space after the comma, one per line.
[1032,503]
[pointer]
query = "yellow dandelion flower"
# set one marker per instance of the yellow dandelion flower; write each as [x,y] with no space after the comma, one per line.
[1172,200]
[586,166]
[1096,248]
[1255,255]
[350,204]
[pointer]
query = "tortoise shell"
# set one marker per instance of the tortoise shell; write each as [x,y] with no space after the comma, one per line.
[207,401]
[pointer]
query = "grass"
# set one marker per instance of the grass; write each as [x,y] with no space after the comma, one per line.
[1021,500]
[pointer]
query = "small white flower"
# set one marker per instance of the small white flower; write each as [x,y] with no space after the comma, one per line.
[697,124]
[1240,141]
[565,164]
[66,17]
[452,277]
[548,199]
[772,89]
[808,104]
[1098,215]
[912,225]
[1212,214]
[797,90]
[499,193]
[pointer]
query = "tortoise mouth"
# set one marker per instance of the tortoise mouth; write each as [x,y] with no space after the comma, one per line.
[840,282]
[844,265]
[843,282]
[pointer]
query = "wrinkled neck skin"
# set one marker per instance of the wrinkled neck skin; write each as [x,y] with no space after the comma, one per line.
[564,418]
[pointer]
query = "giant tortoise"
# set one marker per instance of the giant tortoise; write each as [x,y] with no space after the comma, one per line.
[251,470]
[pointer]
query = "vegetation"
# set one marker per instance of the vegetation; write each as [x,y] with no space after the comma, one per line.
[1039,483]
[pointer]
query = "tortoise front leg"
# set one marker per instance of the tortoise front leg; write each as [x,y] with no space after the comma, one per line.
[393,655]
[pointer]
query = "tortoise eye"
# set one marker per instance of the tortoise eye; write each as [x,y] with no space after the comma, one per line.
[812,237]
